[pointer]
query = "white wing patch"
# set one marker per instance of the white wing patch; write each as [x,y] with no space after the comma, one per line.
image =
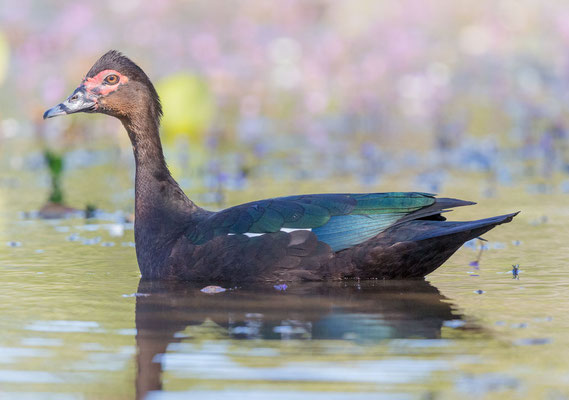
[287,230]
[253,234]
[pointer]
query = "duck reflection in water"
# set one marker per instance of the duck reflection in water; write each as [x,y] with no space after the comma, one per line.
[366,312]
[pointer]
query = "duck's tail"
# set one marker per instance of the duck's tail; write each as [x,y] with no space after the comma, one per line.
[473,229]
[416,248]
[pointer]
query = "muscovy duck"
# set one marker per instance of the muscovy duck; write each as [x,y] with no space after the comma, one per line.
[305,237]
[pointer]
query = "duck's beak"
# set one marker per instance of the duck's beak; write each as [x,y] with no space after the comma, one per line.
[79,101]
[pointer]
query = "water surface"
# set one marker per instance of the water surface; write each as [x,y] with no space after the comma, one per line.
[77,322]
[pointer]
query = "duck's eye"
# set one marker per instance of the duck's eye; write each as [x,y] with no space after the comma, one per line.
[111,79]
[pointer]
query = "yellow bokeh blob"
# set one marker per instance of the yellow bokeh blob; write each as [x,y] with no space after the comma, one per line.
[188,108]
[4,57]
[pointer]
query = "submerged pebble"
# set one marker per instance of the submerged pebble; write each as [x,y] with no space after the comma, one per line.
[212,289]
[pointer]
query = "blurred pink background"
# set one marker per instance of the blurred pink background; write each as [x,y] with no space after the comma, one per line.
[476,84]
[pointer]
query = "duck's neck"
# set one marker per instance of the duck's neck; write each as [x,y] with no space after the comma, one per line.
[162,210]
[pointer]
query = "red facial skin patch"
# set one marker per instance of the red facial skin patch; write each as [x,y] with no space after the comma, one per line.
[96,85]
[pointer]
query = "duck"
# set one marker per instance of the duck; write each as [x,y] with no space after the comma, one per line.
[308,237]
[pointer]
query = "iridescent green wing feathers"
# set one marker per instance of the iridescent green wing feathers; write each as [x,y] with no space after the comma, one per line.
[340,220]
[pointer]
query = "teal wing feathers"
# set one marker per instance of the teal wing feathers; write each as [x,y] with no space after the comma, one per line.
[340,220]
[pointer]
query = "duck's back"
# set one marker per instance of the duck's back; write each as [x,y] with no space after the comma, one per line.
[326,236]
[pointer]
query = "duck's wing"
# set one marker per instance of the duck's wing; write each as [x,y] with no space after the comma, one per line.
[339,220]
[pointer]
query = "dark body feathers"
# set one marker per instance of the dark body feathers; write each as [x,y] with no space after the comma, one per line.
[377,235]
[307,237]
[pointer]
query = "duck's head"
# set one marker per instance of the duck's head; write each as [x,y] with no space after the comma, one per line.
[114,86]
